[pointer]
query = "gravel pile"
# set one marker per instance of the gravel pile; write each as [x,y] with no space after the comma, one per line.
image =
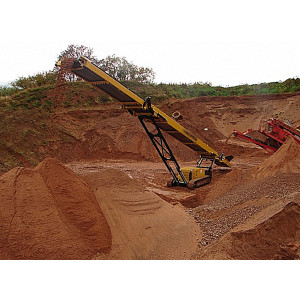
[277,186]
[227,211]
[213,229]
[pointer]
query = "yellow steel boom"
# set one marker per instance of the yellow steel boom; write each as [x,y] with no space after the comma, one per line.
[89,72]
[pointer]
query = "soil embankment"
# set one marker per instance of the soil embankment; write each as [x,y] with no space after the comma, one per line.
[106,131]
[50,213]
[285,160]
[143,225]
[115,205]
[262,220]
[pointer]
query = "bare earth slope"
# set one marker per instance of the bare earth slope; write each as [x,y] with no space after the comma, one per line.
[50,213]
[143,225]
[118,205]
[274,233]
[285,160]
[106,131]
[269,204]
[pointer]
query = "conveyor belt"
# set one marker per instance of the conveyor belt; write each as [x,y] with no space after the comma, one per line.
[86,70]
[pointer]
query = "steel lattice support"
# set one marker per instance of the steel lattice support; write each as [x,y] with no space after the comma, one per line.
[163,150]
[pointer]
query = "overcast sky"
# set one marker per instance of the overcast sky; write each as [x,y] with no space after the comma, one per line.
[222,42]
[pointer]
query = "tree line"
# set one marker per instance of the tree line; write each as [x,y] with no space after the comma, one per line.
[141,80]
[117,67]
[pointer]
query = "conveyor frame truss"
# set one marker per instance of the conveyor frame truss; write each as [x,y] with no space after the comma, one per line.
[89,72]
[163,149]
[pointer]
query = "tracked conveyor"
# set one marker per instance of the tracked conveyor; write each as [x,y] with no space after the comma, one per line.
[89,72]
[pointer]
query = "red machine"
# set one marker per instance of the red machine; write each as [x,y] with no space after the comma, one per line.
[271,136]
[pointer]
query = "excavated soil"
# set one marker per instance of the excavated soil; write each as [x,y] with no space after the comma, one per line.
[143,225]
[285,160]
[50,213]
[111,200]
[274,233]
[260,219]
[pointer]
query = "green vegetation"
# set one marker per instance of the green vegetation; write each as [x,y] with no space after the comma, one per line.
[78,93]
[40,91]
[163,91]
[7,91]
[117,67]
[40,79]
[50,96]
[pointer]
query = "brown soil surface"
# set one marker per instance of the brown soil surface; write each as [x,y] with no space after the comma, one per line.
[50,213]
[257,216]
[248,212]
[285,160]
[143,225]
[106,131]
[274,233]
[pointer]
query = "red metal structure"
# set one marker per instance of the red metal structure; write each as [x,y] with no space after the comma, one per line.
[271,136]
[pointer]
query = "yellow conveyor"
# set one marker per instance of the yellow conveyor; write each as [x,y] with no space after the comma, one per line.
[92,74]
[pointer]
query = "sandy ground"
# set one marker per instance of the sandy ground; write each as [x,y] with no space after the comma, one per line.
[250,190]
[143,225]
[50,213]
[109,199]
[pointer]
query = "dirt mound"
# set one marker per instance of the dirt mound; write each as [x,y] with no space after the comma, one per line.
[269,239]
[49,213]
[268,235]
[143,225]
[219,186]
[284,160]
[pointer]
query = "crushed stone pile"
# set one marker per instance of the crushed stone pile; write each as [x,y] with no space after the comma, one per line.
[240,196]
[50,213]
[266,236]
[284,160]
[277,237]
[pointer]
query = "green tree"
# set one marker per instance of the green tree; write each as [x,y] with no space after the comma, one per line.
[75,51]
[122,70]
[117,67]
[37,80]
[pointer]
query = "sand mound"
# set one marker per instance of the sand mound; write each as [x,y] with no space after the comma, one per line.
[284,160]
[266,236]
[49,213]
[143,225]
[269,239]
[219,186]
